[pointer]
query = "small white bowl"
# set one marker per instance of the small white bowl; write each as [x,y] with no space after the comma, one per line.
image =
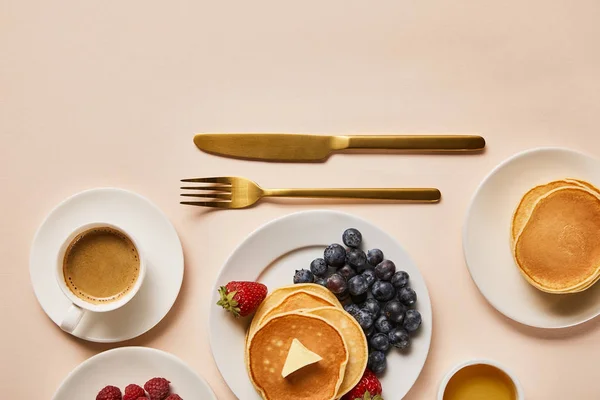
[453,371]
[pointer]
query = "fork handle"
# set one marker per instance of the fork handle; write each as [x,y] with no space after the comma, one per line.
[429,195]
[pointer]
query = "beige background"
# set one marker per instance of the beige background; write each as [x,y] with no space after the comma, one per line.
[109,93]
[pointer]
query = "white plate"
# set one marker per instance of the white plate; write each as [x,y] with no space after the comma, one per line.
[272,254]
[158,240]
[127,365]
[486,239]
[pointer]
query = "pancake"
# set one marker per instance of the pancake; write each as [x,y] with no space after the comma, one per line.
[268,351]
[558,249]
[358,350]
[296,301]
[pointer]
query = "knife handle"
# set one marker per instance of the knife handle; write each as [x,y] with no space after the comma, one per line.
[429,195]
[417,142]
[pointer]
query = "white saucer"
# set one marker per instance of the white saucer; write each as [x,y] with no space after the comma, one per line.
[272,253]
[132,365]
[486,239]
[157,238]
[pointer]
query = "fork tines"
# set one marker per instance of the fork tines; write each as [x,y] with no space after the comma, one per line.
[216,191]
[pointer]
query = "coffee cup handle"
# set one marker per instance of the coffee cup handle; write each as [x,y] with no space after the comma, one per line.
[72,318]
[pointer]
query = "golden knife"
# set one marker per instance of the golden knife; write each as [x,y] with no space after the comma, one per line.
[297,147]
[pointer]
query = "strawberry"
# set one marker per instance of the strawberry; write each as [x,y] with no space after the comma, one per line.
[242,298]
[368,388]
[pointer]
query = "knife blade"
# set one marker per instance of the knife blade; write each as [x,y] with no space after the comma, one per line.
[303,148]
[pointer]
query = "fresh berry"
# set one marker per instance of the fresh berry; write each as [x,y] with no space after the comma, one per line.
[352,237]
[335,255]
[347,272]
[321,281]
[337,284]
[383,291]
[303,276]
[359,298]
[377,362]
[367,384]
[174,397]
[412,320]
[351,309]
[394,311]
[400,279]
[385,270]
[380,341]
[407,296]
[365,319]
[241,298]
[399,338]
[342,297]
[372,306]
[369,275]
[134,392]
[370,332]
[318,267]
[157,388]
[357,285]
[109,393]
[374,257]
[383,325]
[357,259]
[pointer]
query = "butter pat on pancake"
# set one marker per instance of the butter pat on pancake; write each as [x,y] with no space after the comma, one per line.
[298,357]
[269,347]
[355,340]
[558,249]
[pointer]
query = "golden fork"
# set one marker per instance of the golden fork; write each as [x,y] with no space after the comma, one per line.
[235,192]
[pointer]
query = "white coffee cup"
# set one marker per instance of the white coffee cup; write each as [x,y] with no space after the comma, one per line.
[517,385]
[80,306]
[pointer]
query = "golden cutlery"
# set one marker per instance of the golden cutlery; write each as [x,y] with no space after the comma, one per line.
[235,192]
[296,147]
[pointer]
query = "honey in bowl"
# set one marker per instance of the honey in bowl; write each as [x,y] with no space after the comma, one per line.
[480,382]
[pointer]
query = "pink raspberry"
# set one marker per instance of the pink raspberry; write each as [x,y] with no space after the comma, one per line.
[109,393]
[157,388]
[134,392]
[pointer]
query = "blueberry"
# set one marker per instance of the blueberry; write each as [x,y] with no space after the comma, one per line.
[412,320]
[352,237]
[347,272]
[343,296]
[303,276]
[374,257]
[358,285]
[369,275]
[318,267]
[385,270]
[400,279]
[352,309]
[377,362]
[335,255]
[380,341]
[364,319]
[382,324]
[399,338]
[357,259]
[336,284]
[369,332]
[394,311]
[358,299]
[321,281]
[372,306]
[383,291]
[407,296]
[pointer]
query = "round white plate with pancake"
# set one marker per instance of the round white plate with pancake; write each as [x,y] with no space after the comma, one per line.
[126,365]
[157,238]
[487,239]
[271,255]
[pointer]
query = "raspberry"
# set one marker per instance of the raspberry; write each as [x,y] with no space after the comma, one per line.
[174,397]
[109,393]
[134,392]
[157,388]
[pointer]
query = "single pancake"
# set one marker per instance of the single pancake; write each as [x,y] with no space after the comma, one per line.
[558,249]
[355,340]
[268,350]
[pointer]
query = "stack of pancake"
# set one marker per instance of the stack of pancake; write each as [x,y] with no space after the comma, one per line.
[312,315]
[556,236]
